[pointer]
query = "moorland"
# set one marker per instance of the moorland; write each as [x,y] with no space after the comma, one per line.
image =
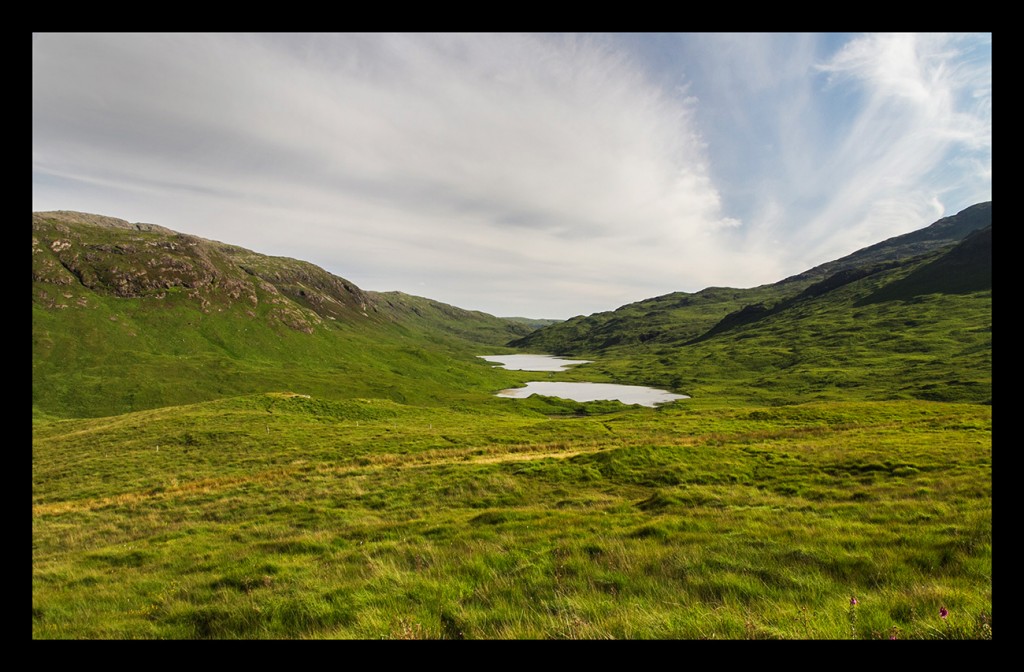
[229,445]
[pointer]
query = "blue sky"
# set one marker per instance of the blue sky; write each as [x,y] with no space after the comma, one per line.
[539,175]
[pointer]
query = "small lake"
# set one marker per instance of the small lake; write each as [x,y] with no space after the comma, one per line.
[533,362]
[627,394]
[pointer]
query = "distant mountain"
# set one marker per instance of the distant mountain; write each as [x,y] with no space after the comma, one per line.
[964,269]
[533,323]
[134,316]
[908,317]
[90,255]
[112,257]
[129,316]
[683,317]
[471,325]
[939,235]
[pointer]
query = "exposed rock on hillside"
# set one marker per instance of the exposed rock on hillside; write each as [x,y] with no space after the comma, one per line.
[77,256]
[112,257]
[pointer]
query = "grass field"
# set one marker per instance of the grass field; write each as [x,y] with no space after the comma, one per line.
[232,446]
[286,516]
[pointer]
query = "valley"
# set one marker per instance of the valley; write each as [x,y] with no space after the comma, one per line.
[227,445]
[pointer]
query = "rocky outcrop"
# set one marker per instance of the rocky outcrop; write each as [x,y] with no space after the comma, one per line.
[112,257]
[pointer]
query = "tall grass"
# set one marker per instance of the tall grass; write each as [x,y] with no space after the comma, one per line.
[274,516]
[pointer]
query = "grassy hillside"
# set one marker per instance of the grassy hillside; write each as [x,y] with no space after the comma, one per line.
[673,318]
[227,445]
[966,269]
[442,318]
[938,236]
[127,317]
[885,329]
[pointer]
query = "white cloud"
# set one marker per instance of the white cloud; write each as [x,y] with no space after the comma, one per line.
[890,168]
[540,175]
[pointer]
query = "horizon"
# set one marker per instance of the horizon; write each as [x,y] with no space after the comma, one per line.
[521,175]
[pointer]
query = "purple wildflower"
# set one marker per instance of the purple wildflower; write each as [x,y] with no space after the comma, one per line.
[854,603]
[943,612]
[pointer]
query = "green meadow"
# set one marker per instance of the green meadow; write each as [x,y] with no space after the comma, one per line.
[281,516]
[204,468]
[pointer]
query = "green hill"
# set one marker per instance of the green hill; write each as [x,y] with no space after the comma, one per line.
[939,235]
[430,315]
[965,269]
[228,445]
[133,316]
[907,318]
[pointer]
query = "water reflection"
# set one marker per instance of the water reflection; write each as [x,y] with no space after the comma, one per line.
[533,362]
[627,394]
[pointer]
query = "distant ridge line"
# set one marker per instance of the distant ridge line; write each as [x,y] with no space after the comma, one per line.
[75,217]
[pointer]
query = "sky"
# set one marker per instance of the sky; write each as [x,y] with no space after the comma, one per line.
[534,175]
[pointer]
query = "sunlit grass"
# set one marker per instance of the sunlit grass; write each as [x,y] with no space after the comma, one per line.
[670,523]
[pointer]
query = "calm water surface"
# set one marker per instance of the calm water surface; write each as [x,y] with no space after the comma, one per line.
[533,362]
[627,394]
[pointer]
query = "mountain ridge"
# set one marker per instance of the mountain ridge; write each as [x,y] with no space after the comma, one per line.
[938,234]
[131,316]
[681,317]
[153,259]
[127,317]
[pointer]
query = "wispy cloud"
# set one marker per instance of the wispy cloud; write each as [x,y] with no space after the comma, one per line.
[923,105]
[542,175]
